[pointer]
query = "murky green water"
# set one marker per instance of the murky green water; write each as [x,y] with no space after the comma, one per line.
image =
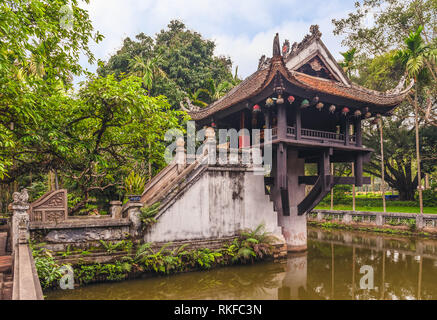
[403,268]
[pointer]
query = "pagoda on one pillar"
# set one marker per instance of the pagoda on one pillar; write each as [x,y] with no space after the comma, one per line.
[315,113]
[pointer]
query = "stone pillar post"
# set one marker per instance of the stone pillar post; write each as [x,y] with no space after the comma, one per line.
[319,216]
[20,218]
[379,220]
[347,218]
[419,222]
[115,209]
[211,145]
[294,227]
[180,154]
[134,216]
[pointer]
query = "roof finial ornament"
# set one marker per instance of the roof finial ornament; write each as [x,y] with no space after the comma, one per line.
[276,46]
[315,32]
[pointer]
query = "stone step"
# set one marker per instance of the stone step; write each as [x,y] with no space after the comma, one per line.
[5,264]
[3,238]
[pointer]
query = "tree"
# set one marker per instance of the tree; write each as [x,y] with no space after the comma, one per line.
[109,132]
[97,138]
[399,168]
[38,57]
[388,23]
[348,64]
[185,57]
[148,70]
[415,57]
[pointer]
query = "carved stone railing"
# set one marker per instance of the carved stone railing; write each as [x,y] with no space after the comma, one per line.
[375,218]
[26,285]
[51,207]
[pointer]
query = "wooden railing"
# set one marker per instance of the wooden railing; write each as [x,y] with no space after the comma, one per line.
[317,135]
[291,131]
[324,135]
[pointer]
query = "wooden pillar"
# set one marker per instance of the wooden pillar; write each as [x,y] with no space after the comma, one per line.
[358,166]
[281,177]
[267,119]
[282,121]
[381,140]
[297,122]
[346,131]
[332,189]
[358,133]
[354,173]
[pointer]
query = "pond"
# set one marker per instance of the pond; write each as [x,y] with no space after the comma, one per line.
[337,265]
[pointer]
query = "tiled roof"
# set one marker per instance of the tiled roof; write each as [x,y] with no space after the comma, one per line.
[267,70]
[355,92]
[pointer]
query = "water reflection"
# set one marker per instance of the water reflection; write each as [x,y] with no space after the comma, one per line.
[403,268]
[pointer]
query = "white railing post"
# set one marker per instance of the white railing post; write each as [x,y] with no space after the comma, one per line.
[211,145]
[180,154]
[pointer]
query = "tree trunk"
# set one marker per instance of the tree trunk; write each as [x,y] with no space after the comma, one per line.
[419,175]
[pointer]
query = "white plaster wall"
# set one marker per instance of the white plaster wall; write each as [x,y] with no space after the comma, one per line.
[218,205]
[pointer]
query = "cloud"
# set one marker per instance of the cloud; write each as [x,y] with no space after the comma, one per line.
[243,29]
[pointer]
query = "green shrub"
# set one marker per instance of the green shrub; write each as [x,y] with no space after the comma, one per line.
[430,197]
[48,271]
[134,183]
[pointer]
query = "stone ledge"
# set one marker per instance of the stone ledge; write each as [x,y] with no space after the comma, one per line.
[71,224]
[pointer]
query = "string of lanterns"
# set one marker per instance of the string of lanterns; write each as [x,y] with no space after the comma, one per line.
[270,102]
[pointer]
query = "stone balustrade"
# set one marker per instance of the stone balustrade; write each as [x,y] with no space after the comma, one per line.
[375,218]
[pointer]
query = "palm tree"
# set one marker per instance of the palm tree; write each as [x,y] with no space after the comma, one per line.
[216,91]
[195,97]
[147,69]
[348,63]
[417,57]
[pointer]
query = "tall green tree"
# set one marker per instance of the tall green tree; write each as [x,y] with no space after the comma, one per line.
[186,58]
[417,57]
[39,54]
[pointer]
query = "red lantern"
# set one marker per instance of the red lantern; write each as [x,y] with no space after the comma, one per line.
[290,99]
[345,110]
[256,109]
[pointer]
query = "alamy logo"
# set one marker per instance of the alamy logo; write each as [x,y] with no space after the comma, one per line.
[223,146]
[67,17]
[366,281]
[67,280]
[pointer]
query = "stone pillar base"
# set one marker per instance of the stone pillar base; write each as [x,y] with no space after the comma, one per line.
[294,230]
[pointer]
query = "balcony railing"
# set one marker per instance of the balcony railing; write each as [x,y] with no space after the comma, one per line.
[317,135]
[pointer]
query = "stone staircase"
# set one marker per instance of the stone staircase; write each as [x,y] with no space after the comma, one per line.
[6,277]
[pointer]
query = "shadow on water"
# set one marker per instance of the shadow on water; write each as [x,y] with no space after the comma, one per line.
[402,267]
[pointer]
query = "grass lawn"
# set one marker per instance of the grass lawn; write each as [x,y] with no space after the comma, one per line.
[406,209]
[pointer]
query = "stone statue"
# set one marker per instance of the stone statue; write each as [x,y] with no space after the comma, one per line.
[20,197]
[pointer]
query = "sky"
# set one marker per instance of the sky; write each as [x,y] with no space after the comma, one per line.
[241,29]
